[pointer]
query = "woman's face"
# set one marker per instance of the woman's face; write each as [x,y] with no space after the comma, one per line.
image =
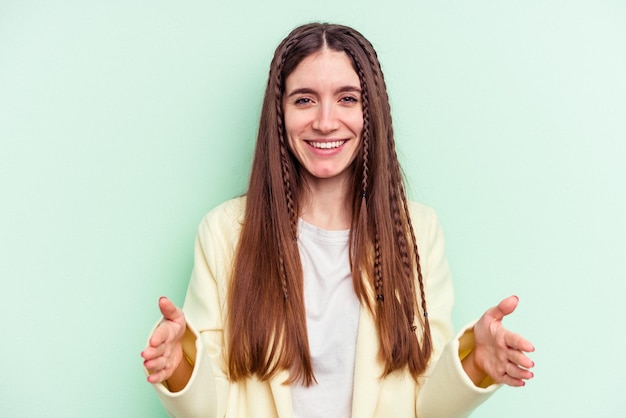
[323,114]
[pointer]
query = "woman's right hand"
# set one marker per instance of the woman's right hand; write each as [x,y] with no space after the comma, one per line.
[164,352]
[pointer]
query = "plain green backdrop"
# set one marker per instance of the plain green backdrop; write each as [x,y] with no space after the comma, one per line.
[123,122]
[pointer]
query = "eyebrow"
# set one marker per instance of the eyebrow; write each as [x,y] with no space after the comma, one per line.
[343,89]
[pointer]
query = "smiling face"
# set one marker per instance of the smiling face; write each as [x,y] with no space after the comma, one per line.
[323,115]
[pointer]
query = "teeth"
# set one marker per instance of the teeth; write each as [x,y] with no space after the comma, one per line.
[327,145]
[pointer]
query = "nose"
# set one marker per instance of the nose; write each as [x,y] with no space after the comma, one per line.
[325,119]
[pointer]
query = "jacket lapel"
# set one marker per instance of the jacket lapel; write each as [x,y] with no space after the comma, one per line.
[282,395]
[368,369]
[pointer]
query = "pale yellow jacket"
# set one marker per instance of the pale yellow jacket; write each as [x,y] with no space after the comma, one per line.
[443,391]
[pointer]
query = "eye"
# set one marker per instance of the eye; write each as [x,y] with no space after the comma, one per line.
[303,101]
[349,99]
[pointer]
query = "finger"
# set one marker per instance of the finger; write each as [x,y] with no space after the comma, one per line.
[163,370]
[518,373]
[160,335]
[158,377]
[153,364]
[169,310]
[505,307]
[511,381]
[522,360]
[518,342]
[153,352]
[148,353]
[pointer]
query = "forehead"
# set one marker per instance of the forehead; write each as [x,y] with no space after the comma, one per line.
[325,67]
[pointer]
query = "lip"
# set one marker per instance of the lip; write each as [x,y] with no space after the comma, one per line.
[326,147]
[327,144]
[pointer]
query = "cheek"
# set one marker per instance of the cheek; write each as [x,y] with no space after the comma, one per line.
[293,124]
[291,133]
[357,125]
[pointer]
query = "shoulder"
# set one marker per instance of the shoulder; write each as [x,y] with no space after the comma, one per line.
[428,230]
[420,208]
[422,216]
[232,209]
[224,220]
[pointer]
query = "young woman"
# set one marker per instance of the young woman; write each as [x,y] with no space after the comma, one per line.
[324,292]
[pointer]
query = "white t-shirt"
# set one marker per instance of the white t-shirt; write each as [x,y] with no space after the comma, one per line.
[332,313]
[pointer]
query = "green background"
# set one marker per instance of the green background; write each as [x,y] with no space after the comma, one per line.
[123,122]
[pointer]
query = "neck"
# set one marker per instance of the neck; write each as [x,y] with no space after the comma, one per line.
[327,204]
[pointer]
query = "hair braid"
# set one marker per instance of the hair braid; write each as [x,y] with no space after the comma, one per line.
[375,68]
[375,64]
[362,226]
[378,280]
[284,165]
[426,346]
[420,278]
[365,105]
[415,249]
[400,214]
[403,250]
[284,157]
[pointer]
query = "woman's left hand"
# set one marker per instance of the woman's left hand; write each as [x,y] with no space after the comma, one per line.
[498,352]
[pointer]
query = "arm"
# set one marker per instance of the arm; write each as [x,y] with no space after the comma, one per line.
[445,390]
[179,379]
[204,393]
[195,396]
[473,364]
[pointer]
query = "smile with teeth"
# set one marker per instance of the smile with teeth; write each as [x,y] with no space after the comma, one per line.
[326,145]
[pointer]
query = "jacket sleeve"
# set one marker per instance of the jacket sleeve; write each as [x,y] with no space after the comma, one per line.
[199,397]
[445,391]
[206,393]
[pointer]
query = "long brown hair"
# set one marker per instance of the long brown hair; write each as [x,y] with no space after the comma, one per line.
[266,319]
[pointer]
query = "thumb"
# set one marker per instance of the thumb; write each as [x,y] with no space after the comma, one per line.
[505,307]
[169,310]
